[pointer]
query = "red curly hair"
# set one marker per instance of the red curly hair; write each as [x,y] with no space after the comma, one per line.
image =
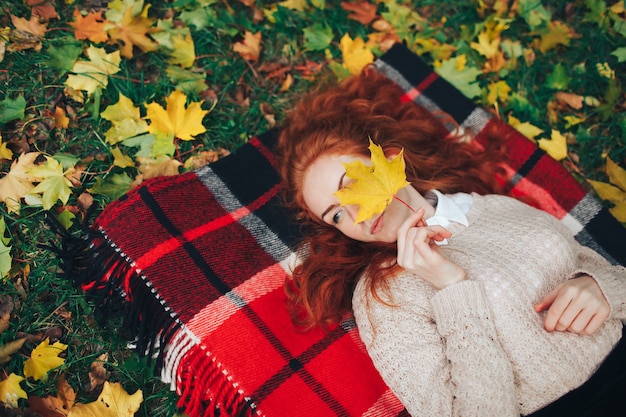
[340,120]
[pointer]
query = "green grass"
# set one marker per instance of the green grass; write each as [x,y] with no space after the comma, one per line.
[243,90]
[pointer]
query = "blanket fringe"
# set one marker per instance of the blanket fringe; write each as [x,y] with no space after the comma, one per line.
[92,262]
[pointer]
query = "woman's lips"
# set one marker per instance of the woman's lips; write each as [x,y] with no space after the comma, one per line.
[377,225]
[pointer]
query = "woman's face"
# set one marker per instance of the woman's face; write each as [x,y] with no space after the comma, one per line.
[327,174]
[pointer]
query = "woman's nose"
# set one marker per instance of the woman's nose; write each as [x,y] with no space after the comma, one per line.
[352,210]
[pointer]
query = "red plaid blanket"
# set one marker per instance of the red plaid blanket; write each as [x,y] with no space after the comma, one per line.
[200,260]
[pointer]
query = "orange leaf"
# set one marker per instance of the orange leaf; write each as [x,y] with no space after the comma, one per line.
[90,27]
[250,47]
[362,11]
[43,8]
[33,26]
[133,31]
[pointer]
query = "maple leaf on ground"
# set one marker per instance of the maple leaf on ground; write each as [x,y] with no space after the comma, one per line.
[356,55]
[133,30]
[525,128]
[11,391]
[556,147]
[18,182]
[614,192]
[159,167]
[250,47]
[362,11]
[557,33]
[486,46]
[374,186]
[113,401]
[43,8]
[34,25]
[94,74]
[55,406]
[92,26]
[462,76]
[54,185]
[126,120]
[176,120]
[44,358]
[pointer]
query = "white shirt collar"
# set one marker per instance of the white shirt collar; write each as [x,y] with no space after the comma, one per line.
[449,208]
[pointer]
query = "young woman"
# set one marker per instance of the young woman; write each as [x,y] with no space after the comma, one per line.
[469,302]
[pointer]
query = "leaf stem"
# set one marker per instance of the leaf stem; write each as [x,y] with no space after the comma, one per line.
[404,202]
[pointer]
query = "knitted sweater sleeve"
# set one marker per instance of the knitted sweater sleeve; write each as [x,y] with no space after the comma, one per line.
[450,366]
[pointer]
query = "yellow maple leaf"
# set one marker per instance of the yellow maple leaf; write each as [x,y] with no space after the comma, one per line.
[374,186]
[487,46]
[61,121]
[184,53]
[94,74]
[356,55]
[113,401]
[556,147]
[11,391]
[53,185]
[159,167]
[498,90]
[121,160]
[250,47]
[178,121]
[133,30]
[5,153]
[44,358]
[525,128]
[18,182]
[558,33]
[614,194]
[92,26]
[617,175]
[126,120]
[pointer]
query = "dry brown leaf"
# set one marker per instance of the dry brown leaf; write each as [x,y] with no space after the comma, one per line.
[33,26]
[98,374]
[43,8]
[6,308]
[58,406]
[572,100]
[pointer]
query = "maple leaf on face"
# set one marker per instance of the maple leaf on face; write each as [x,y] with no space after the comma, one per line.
[132,31]
[94,74]
[355,53]
[92,26]
[11,391]
[18,182]
[126,120]
[113,401]
[250,47]
[44,358]
[54,185]
[374,186]
[182,123]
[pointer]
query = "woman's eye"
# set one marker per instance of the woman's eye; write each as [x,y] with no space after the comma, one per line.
[337,216]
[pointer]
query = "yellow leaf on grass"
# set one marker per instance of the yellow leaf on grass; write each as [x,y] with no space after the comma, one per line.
[617,175]
[356,55]
[54,185]
[44,358]
[374,186]
[121,160]
[159,167]
[18,182]
[556,147]
[94,74]
[126,120]
[61,121]
[498,90]
[486,46]
[558,34]
[11,391]
[613,194]
[183,123]
[184,53]
[250,47]
[113,401]
[5,153]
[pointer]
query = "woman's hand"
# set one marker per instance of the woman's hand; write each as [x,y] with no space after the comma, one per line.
[419,254]
[576,305]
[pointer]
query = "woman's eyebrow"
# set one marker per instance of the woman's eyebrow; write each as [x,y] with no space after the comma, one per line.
[332,206]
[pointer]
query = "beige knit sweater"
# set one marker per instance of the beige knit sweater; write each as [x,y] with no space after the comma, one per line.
[478,348]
